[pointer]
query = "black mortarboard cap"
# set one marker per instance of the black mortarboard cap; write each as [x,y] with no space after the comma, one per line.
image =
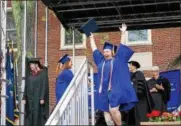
[89,27]
[34,60]
[115,48]
[135,63]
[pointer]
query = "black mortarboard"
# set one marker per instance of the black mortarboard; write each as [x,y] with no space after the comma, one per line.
[34,60]
[89,27]
[135,63]
[64,59]
[115,48]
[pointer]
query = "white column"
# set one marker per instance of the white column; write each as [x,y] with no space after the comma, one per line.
[73,42]
[22,106]
[36,24]
[3,8]
[46,39]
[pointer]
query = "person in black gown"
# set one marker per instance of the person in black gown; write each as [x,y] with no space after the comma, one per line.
[160,90]
[36,94]
[145,103]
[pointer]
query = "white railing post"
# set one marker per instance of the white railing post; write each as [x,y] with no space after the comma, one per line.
[92,95]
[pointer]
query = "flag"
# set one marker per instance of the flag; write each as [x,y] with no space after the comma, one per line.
[15,82]
[9,90]
[14,71]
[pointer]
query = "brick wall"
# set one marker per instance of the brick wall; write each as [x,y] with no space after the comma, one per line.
[165,47]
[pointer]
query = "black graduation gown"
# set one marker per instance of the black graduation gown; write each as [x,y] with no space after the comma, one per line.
[36,88]
[166,93]
[100,120]
[145,103]
[161,97]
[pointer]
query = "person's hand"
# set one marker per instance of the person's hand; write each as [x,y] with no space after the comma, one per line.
[160,87]
[91,36]
[153,90]
[24,102]
[42,102]
[89,84]
[157,86]
[123,28]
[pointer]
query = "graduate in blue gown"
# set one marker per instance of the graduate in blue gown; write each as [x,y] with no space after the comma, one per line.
[115,88]
[64,78]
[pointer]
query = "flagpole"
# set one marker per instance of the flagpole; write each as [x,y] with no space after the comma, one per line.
[46,38]
[22,106]
[3,15]
[36,23]
[73,42]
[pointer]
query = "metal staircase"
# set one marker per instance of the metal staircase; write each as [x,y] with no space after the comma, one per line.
[73,108]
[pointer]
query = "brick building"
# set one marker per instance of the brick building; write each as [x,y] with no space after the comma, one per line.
[152,46]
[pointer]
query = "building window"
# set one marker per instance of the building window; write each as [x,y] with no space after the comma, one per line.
[11,29]
[66,39]
[138,37]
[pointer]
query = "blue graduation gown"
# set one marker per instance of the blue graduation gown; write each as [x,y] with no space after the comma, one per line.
[122,92]
[62,82]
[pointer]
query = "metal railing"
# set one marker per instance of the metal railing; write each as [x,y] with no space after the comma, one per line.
[72,109]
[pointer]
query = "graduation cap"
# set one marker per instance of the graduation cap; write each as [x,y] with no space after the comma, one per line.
[108,45]
[115,48]
[89,27]
[64,59]
[135,63]
[34,60]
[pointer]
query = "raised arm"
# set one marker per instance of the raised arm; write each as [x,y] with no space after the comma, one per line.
[97,55]
[124,53]
[92,42]
[123,31]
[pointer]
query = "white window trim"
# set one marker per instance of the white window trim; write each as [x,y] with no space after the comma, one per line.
[9,9]
[149,42]
[147,67]
[66,47]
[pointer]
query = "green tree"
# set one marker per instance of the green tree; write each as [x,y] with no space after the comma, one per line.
[176,63]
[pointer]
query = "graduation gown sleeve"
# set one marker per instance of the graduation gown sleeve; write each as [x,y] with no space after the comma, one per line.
[139,83]
[25,93]
[98,57]
[124,53]
[43,85]
[142,89]
[44,95]
[167,89]
[122,92]
[62,82]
